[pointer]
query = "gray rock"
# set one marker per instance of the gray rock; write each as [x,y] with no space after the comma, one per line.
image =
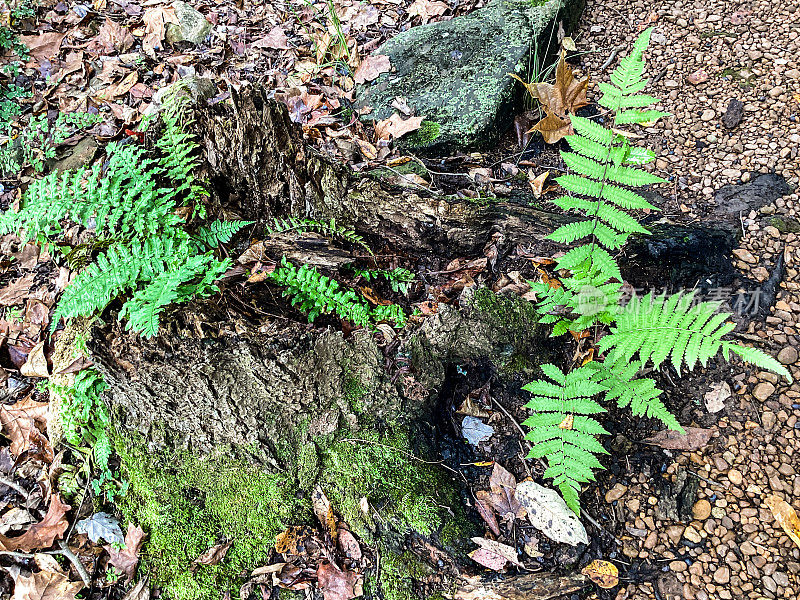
[193,26]
[81,154]
[455,73]
[733,114]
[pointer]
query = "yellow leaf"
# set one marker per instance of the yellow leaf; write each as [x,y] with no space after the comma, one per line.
[603,573]
[785,516]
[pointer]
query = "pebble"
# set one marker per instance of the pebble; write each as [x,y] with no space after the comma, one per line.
[735,477]
[733,114]
[788,355]
[722,575]
[615,493]
[708,115]
[763,391]
[701,510]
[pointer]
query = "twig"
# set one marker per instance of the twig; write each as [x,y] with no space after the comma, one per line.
[63,551]
[513,420]
[614,51]
[589,518]
[404,453]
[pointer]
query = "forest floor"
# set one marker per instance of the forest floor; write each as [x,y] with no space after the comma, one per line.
[724,543]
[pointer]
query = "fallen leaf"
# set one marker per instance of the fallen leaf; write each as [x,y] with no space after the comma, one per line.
[553,128]
[324,511]
[493,555]
[111,38]
[275,39]
[101,526]
[569,44]
[141,591]
[41,535]
[19,419]
[372,66]
[292,540]
[603,573]
[698,77]
[564,96]
[486,512]
[425,9]
[786,516]
[538,184]
[212,556]
[548,513]
[349,545]
[114,91]
[693,438]
[502,494]
[45,46]
[716,396]
[45,585]
[16,291]
[336,584]
[127,559]
[36,363]
[475,430]
[155,20]
[396,127]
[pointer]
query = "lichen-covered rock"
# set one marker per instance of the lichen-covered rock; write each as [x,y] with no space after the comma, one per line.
[455,73]
[192,25]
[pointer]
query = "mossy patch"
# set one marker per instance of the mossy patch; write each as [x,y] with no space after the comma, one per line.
[188,503]
[425,136]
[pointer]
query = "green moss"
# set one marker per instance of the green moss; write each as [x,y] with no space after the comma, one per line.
[428,132]
[354,392]
[406,168]
[187,504]
[398,572]
[785,225]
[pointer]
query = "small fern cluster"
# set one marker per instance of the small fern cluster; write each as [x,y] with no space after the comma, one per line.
[646,332]
[314,294]
[328,228]
[130,205]
[399,279]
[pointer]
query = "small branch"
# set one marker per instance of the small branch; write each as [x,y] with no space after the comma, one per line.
[614,51]
[76,562]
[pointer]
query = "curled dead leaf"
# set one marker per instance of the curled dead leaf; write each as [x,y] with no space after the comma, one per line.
[603,573]
[785,515]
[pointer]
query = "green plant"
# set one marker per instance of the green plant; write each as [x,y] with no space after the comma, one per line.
[315,294]
[645,332]
[399,279]
[38,141]
[10,43]
[130,204]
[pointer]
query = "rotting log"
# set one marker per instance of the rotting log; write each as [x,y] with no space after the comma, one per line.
[296,402]
[542,586]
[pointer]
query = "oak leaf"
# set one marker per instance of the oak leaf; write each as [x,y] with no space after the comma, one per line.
[372,66]
[127,559]
[156,20]
[396,127]
[693,438]
[20,419]
[336,584]
[43,534]
[45,585]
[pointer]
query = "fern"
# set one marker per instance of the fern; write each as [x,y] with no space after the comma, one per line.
[646,332]
[562,430]
[315,294]
[141,245]
[399,279]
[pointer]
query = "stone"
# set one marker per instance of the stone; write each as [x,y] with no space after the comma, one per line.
[197,89]
[701,510]
[759,191]
[678,566]
[733,114]
[707,115]
[192,25]
[691,534]
[615,493]
[763,391]
[788,355]
[455,73]
[82,154]
[722,575]
[744,255]
[735,477]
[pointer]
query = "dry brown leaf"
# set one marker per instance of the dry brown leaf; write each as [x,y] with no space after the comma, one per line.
[538,184]
[693,438]
[36,364]
[19,419]
[486,512]
[212,556]
[336,584]
[111,38]
[396,127]
[564,96]
[127,559]
[349,545]
[275,39]
[44,46]
[16,291]
[45,585]
[114,91]
[785,515]
[42,535]
[372,66]
[553,128]
[502,494]
[324,511]
[156,20]
[492,554]
[425,9]
[603,573]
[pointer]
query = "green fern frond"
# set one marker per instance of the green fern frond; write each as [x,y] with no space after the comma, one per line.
[220,232]
[562,430]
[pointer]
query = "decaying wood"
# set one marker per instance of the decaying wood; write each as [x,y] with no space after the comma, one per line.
[536,586]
